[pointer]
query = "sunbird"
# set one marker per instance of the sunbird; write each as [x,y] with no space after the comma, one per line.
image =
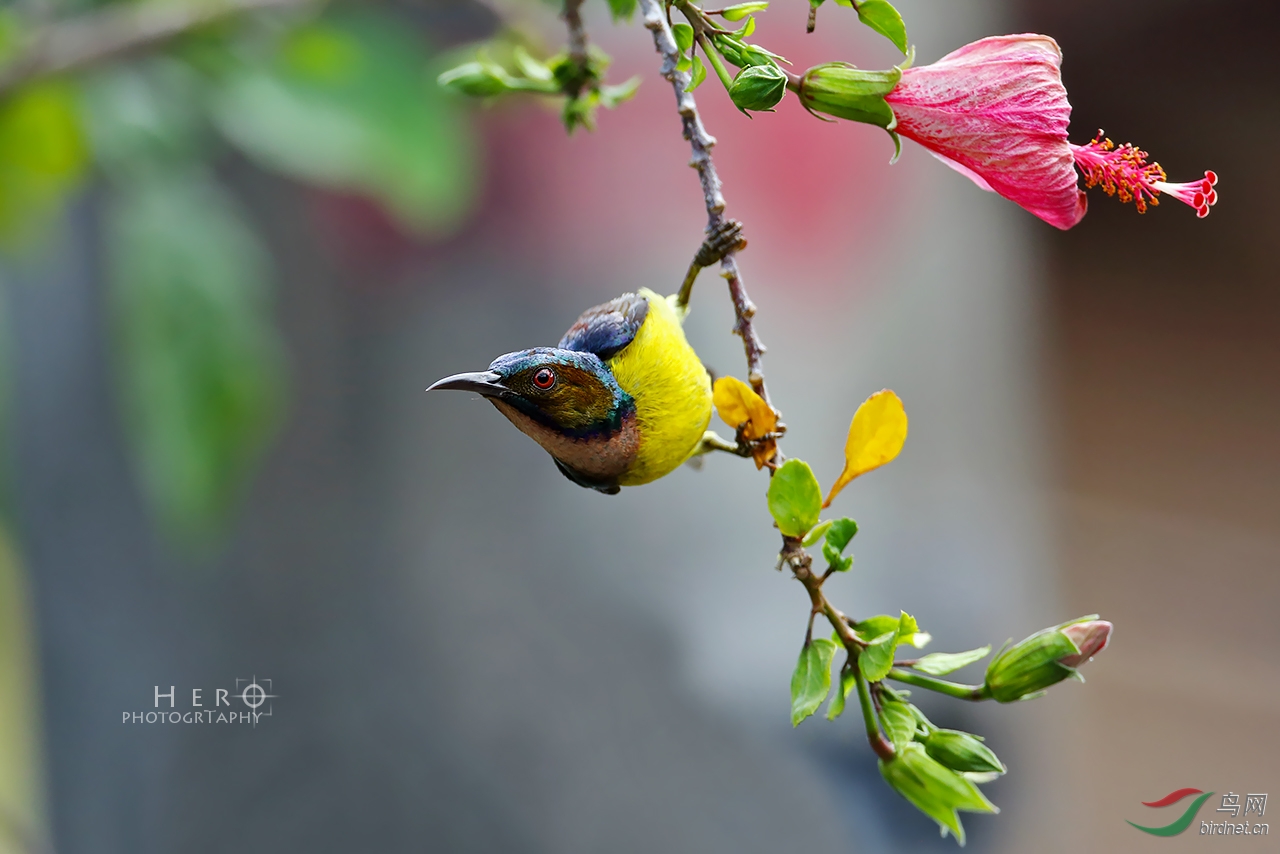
[621,401]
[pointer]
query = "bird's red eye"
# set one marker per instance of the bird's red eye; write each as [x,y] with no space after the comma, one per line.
[544,379]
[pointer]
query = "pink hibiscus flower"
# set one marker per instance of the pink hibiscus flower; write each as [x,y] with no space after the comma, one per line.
[996,111]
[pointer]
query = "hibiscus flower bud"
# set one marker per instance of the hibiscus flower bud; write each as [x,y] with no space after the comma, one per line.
[846,92]
[1027,668]
[1090,638]
[962,751]
[758,87]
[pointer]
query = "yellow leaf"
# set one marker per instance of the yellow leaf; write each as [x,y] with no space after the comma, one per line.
[876,434]
[741,407]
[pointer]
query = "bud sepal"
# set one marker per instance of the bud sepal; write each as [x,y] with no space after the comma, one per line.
[933,788]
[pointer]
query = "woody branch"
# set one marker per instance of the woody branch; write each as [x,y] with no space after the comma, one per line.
[793,553]
[701,143]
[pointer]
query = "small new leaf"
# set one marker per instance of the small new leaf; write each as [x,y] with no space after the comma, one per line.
[877,658]
[794,498]
[839,562]
[811,681]
[697,75]
[880,16]
[838,537]
[847,681]
[816,534]
[683,34]
[738,11]
[840,533]
[876,435]
[942,663]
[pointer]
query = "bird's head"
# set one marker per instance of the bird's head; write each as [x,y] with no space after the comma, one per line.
[567,401]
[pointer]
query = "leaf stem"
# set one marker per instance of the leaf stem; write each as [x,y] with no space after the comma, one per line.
[879,743]
[717,63]
[942,686]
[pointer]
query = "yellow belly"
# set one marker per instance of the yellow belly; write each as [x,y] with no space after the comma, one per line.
[671,389]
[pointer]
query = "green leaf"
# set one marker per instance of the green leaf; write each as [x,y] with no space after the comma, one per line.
[899,723]
[795,498]
[200,369]
[909,631]
[622,10]
[942,663]
[816,534]
[873,627]
[683,34]
[835,560]
[883,634]
[847,682]
[876,660]
[738,11]
[697,75]
[344,103]
[841,532]
[811,681]
[43,159]
[880,16]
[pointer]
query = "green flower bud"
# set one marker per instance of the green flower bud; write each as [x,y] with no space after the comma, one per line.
[477,79]
[847,92]
[961,751]
[934,789]
[742,54]
[1044,659]
[758,87]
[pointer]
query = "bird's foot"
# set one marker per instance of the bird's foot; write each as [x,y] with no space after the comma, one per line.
[713,441]
[725,239]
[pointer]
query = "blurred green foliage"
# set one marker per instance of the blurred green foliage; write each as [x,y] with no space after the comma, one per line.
[337,95]
[43,159]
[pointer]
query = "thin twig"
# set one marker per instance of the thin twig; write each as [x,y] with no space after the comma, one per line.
[577,44]
[701,143]
[119,30]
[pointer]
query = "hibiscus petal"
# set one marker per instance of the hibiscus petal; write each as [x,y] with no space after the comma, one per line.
[996,109]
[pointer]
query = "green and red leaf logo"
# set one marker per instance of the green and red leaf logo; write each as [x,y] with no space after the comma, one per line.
[1183,821]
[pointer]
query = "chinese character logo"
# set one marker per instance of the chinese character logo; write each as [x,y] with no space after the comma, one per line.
[1183,821]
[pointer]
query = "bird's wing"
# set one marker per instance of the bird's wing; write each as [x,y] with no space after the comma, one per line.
[607,328]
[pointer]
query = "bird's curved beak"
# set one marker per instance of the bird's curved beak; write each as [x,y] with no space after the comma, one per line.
[487,383]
